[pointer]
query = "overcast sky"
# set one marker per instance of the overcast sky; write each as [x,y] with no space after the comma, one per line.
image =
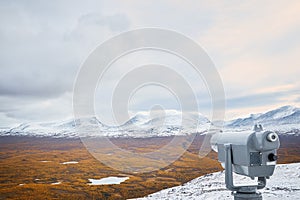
[255,46]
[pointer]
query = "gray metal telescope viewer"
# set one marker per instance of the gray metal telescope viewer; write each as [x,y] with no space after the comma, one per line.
[248,153]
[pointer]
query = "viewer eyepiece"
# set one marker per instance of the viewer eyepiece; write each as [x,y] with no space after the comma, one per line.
[272,137]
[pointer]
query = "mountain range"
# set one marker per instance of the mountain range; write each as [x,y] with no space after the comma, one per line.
[283,120]
[286,115]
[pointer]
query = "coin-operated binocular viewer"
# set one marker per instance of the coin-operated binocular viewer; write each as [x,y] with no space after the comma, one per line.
[248,153]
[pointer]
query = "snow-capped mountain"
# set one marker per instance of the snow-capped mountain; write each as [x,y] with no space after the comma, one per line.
[142,124]
[172,122]
[56,129]
[284,184]
[40,129]
[284,120]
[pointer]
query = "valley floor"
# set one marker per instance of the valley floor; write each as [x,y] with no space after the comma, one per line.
[58,168]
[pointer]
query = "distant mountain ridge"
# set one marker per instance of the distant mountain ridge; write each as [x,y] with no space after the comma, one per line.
[284,120]
[142,124]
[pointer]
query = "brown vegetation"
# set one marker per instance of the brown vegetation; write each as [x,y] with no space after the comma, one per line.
[24,176]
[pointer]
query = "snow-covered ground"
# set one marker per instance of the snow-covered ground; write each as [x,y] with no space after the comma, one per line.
[284,184]
[108,180]
[284,120]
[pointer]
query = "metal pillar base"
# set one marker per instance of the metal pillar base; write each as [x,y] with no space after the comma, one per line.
[247,196]
[245,192]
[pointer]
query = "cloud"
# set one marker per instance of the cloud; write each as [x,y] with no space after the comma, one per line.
[40,59]
[31,109]
[117,22]
[254,45]
[42,47]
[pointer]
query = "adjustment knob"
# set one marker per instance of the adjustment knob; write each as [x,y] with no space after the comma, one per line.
[272,157]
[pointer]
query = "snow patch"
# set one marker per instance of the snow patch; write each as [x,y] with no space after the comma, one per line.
[69,162]
[108,181]
[56,183]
